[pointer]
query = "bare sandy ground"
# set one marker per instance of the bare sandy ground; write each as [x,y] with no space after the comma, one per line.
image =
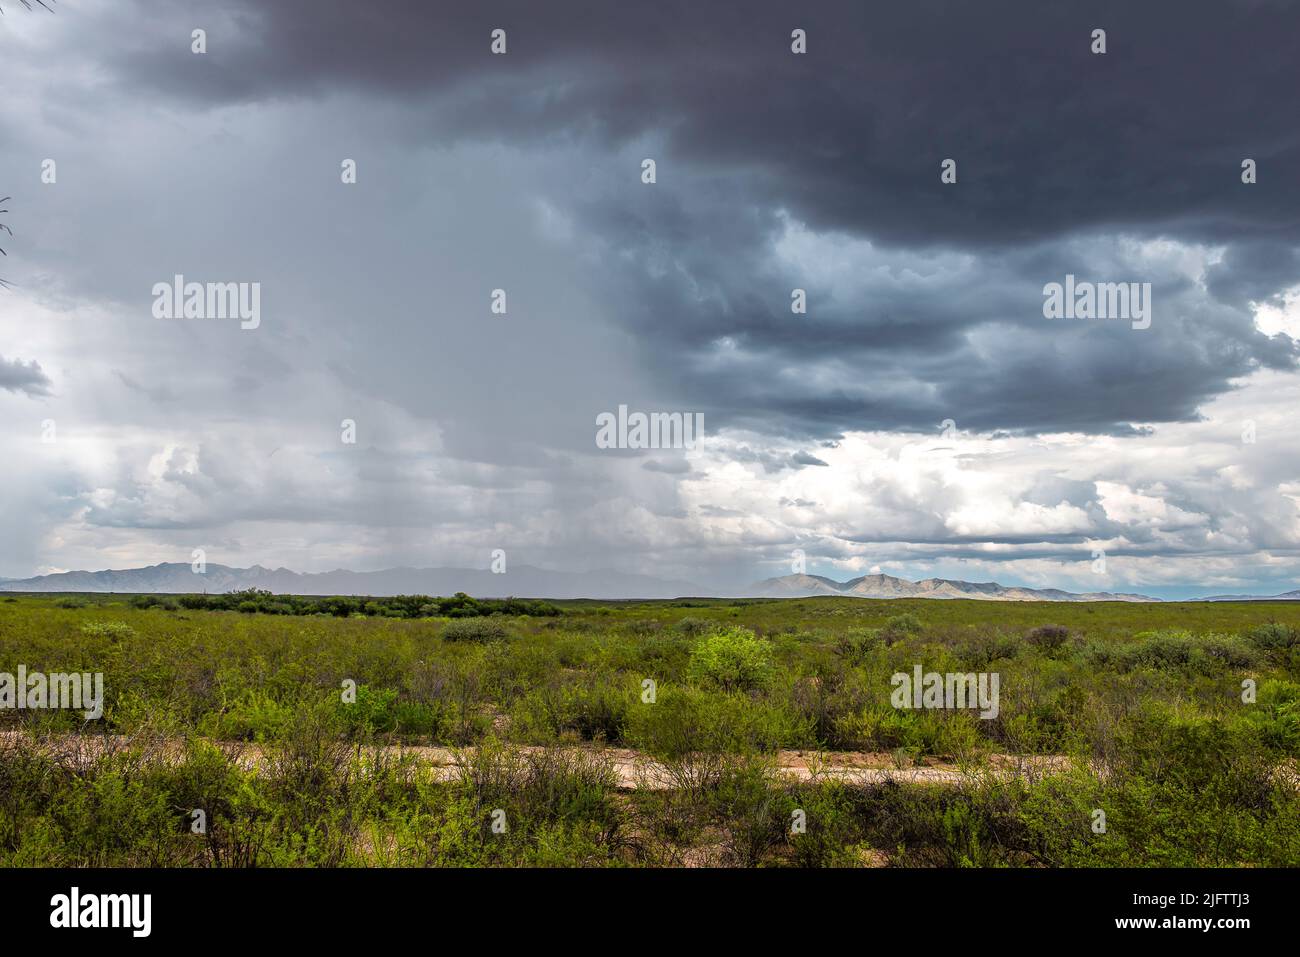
[633,769]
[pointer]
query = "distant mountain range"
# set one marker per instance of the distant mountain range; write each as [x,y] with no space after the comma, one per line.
[526,581]
[1293,595]
[519,581]
[887,586]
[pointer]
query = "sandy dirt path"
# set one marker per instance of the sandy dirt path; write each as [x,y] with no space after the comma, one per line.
[633,769]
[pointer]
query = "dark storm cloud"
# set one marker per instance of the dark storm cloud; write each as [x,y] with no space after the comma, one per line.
[24,377]
[1052,137]
[773,462]
[1249,271]
[1055,146]
[803,458]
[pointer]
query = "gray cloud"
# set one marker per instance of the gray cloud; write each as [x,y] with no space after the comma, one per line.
[774,172]
[850,134]
[1055,146]
[24,377]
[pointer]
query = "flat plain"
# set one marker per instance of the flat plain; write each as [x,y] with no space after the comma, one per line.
[260,730]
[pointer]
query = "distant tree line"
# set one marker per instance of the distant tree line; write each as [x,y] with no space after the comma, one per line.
[257,600]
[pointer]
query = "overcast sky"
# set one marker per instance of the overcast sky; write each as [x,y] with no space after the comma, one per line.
[774,171]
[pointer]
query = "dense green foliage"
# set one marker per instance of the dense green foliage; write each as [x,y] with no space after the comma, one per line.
[240,713]
[259,601]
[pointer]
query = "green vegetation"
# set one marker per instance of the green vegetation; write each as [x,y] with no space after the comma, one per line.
[733,659]
[1136,710]
[258,601]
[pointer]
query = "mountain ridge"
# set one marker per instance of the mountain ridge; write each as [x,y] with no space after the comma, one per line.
[887,586]
[527,581]
[1293,595]
[522,581]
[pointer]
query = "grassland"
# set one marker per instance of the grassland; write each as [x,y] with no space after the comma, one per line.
[519,739]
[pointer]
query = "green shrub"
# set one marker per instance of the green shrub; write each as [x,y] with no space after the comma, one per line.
[977,652]
[373,711]
[253,716]
[733,660]
[591,710]
[1182,651]
[900,627]
[1274,636]
[694,627]
[1048,637]
[558,807]
[749,811]
[883,728]
[475,629]
[687,722]
[856,645]
[112,630]
[833,832]
[1277,714]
